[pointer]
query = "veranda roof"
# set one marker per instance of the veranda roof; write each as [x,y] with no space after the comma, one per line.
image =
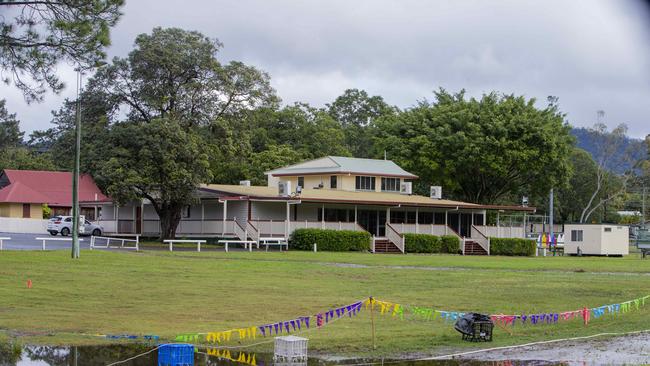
[351,197]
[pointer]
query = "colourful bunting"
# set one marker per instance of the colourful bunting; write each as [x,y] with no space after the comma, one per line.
[384,307]
[243,357]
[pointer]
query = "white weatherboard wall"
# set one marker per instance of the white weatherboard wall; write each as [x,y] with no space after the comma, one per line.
[597,239]
[25,226]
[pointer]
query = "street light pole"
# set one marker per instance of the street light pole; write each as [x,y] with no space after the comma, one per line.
[75,174]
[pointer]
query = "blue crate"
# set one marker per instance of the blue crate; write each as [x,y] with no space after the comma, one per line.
[176,355]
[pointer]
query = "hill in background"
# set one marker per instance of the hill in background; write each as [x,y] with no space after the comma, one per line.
[631,151]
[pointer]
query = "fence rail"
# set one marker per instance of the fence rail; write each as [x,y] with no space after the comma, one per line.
[107,244]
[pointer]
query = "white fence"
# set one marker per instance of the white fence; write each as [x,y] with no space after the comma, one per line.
[20,225]
[185,227]
[430,229]
[279,228]
[501,231]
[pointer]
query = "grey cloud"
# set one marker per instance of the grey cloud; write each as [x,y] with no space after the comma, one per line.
[592,54]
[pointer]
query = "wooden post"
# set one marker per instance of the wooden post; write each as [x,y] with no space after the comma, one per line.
[372,321]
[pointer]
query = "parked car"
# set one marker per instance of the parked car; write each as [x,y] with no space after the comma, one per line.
[63,225]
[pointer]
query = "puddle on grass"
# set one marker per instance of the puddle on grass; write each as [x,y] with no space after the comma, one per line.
[105,355]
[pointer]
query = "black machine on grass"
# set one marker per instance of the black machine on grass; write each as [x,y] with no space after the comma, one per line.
[643,241]
[475,327]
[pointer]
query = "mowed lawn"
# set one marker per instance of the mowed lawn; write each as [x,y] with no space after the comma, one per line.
[156,292]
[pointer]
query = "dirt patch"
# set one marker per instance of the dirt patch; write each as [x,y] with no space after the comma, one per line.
[631,349]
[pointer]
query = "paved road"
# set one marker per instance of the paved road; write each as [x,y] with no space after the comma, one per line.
[29,242]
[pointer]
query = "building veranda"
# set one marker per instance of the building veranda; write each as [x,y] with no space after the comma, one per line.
[337,193]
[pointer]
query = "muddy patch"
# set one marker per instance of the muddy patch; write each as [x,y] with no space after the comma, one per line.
[630,350]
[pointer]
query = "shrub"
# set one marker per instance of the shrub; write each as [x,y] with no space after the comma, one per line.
[512,246]
[450,244]
[330,240]
[426,243]
[422,243]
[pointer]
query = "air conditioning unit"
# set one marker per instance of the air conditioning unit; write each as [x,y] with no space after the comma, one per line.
[246,183]
[284,188]
[435,192]
[406,188]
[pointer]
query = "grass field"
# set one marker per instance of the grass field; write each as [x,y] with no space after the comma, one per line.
[156,292]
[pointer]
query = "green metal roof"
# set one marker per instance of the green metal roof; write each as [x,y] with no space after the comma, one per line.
[344,165]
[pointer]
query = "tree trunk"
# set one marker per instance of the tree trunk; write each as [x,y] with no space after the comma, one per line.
[170,217]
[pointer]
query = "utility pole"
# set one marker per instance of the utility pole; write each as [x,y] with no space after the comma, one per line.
[75,174]
[550,214]
[643,207]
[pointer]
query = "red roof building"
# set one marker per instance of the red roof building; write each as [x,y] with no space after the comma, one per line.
[24,192]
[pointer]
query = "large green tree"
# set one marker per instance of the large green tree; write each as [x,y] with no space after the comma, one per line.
[480,150]
[572,197]
[13,153]
[23,158]
[175,73]
[172,80]
[606,186]
[97,112]
[356,111]
[10,133]
[159,161]
[37,35]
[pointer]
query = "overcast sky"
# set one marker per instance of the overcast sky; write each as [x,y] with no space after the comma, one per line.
[591,54]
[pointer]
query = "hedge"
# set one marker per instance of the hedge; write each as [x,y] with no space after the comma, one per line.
[450,244]
[330,240]
[512,246]
[425,243]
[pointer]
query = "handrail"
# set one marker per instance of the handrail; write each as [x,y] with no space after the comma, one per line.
[483,241]
[454,232]
[395,237]
[239,231]
[252,231]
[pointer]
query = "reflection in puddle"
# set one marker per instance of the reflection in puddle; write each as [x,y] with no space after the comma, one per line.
[10,355]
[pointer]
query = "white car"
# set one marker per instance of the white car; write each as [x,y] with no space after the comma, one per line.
[63,225]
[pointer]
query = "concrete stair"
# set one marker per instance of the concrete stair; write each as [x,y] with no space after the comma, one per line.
[473,248]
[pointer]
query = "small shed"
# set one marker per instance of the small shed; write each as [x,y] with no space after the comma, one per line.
[596,239]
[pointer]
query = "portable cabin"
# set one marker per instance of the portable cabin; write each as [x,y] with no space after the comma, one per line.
[596,239]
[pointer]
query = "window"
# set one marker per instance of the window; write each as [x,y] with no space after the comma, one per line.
[439,218]
[397,217]
[478,219]
[333,182]
[26,211]
[301,182]
[410,217]
[336,215]
[576,235]
[608,229]
[390,184]
[365,183]
[186,212]
[425,218]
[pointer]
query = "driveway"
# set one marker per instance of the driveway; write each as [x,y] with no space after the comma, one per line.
[29,242]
